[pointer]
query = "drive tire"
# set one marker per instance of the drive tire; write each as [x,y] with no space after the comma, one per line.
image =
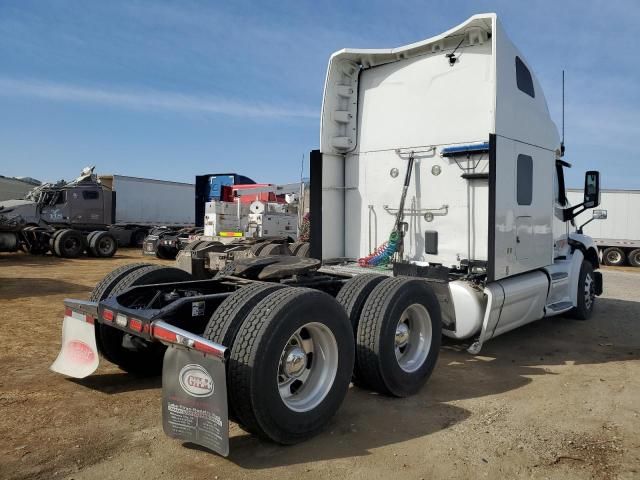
[148,360]
[258,247]
[52,240]
[226,320]
[634,257]
[352,296]
[69,244]
[193,245]
[103,245]
[53,244]
[376,343]
[274,249]
[257,355]
[304,250]
[87,242]
[586,293]
[613,256]
[164,253]
[103,290]
[294,247]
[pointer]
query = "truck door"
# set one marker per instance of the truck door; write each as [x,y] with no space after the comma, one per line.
[86,206]
[56,208]
[524,241]
[521,205]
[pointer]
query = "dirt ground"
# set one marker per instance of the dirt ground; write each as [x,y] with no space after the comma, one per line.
[556,399]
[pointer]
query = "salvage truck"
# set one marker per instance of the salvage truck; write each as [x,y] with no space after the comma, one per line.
[264,220]
[92,213]
[438,207]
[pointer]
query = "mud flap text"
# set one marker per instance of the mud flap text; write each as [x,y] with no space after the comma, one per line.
[194,399]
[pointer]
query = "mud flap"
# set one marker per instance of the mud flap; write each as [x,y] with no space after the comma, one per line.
[194,399]
[78,355]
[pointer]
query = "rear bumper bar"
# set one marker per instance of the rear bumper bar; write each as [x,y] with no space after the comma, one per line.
[147,329]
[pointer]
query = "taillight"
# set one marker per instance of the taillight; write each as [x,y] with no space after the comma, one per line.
[68,312]
[201,347]
[135,324]
[163,334]
[107,315]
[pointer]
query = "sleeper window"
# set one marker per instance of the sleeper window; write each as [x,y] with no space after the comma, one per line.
[524,79]
[90,195]
[524,183]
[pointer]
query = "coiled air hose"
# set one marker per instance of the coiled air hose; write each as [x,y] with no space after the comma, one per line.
[382,255]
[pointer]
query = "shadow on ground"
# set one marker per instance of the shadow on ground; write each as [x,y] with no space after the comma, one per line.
[11,288]
[367,421]
[114,383]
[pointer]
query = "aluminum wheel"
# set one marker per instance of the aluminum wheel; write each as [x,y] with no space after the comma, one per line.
[614,257]
[308,366]
[413,337]
[589,291]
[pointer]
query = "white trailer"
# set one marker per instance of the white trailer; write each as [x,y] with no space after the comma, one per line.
[615,229]
[141,203]
[145,201]
[437,207]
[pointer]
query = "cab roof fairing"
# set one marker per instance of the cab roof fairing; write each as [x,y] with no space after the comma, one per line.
[340,97]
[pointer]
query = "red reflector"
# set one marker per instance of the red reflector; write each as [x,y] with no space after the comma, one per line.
[135,324]
[107,315]
[201,347]
[67,312]
[89,319]
[162,334]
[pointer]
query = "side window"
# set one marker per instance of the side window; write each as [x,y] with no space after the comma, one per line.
[62,198]
[524,79]
[561,193]
[524,182]
[90,195]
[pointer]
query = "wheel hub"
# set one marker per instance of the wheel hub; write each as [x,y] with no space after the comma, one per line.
[614,257]
[294,362]
[413,338]
[307,367]
[402,334]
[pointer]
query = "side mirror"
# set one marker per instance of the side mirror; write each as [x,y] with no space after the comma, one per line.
[591,189]
[599,214]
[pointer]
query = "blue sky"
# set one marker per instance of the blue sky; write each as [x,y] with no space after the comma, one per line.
[173,89]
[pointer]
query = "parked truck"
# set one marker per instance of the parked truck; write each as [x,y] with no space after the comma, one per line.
[92,213]
[165,242]
[259,220]
[617,231]
[433,212]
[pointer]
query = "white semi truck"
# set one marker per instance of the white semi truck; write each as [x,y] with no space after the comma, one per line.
[435,209]
[617,231]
